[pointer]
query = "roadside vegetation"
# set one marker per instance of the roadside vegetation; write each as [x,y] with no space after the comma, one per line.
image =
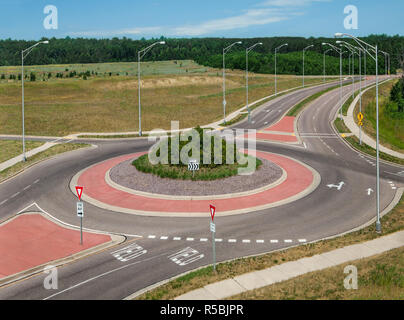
[110,103]
[391,114]
[12,148]
[392,222]
[379,278]
[340,126]
[53,151]
[177,170]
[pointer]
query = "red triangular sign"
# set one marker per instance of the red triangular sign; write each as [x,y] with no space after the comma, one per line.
[212,211]
[79,191]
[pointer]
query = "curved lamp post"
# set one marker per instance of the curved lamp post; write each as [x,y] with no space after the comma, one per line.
[140,55]
[276,49]
[373,52]
[246,55]
[325,52]
[304,50]
[339,50]
[224,78]
[24,54]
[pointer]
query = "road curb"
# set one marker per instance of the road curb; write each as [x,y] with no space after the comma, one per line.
[115,240]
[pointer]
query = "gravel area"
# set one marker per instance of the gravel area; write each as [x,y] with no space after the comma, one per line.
[125,174]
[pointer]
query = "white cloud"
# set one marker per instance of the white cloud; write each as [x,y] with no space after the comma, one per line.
[270,11]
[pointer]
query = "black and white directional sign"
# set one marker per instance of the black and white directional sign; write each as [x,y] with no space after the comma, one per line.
[80,209]
[193,165]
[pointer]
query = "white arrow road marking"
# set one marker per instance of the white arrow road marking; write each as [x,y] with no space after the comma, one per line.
[338,187]
[129,253]
[186,256]
[370,191]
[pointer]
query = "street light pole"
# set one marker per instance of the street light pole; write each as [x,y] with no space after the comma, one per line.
[276,49]
[224,79]
[324,63]
[303,59]
[246,54]
[140,55]
[365,47]
[339,50]
[24,54]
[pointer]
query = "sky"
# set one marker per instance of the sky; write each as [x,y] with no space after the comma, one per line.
[24,19]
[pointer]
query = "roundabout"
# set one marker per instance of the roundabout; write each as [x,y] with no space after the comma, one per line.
[297,181]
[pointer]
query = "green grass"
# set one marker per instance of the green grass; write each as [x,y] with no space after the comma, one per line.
[55,150]
[379,278]
[391,129]
[354,142]
[392,222]
[110,104]
[181,172]
[12,148]
[340,126]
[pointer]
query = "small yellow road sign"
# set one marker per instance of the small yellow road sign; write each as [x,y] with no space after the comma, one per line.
[360,116]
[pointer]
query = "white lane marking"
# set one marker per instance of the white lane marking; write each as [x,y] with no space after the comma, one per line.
[219,240]
[232,240]
[36,181]
[190,239]
[338,187]
[3,202]
[27,187]
[288,241]
[260,241]
[102,275]
[152,237]
[204,239]
[177,238]
[246,241]
[274,241]
[129,253]
[302,240]
[185,256]
[14,195]
[305,146]
[163,238]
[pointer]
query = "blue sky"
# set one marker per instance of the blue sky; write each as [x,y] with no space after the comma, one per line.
[23,19]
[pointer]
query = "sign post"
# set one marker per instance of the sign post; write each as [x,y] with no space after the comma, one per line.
[80,211]
[213,230]
[360,124]
[193,166]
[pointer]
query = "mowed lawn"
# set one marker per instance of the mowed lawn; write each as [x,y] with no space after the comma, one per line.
[11,148]
[180,90]
[391,129]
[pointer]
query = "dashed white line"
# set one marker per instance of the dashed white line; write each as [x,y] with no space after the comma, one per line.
[190,239]
[260,241]
[232,240]
[36,181]
[152,237]
[177,238]
[27,187]
[288,241]
[302,240]
[219,240]
[246,241]
[203,239]
[274,241]
[163,238]
[14,195]
[3,202]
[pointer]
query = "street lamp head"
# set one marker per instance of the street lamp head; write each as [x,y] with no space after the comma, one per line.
[323,44]
[286,44]
[260,43]
[162,42]
[239,42]
[45,42]
[338,42]
[338,35]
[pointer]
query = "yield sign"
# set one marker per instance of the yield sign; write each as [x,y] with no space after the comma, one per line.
[79,191]
[212,212]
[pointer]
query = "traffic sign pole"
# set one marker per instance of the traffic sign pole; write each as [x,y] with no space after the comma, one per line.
[213,230]
[80,211]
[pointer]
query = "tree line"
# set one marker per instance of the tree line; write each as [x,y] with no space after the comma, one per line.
[205,51]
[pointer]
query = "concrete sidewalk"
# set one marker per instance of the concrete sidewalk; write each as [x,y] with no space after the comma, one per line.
[350,122]
[258,279]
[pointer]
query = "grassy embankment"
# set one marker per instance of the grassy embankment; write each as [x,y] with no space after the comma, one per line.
[188,93]
[392,222]
[21,166]
[12,148]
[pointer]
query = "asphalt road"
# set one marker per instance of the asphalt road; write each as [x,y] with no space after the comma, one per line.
[325,212]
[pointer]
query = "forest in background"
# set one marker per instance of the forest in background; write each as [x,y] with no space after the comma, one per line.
[205,51]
